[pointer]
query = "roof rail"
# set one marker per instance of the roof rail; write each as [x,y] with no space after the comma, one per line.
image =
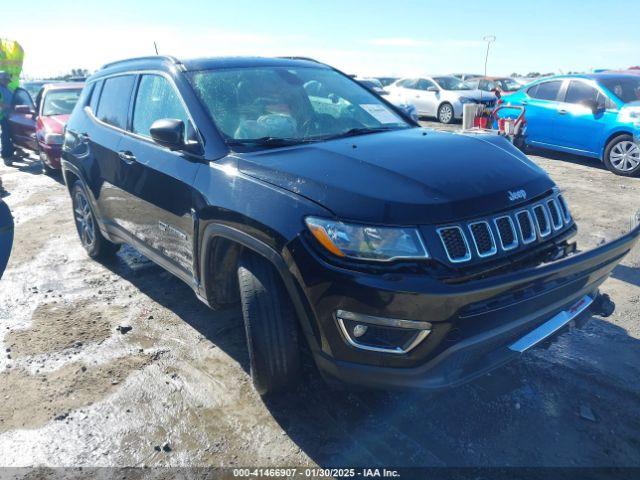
[150,57]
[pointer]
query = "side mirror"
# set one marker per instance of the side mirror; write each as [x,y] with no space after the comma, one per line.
[594,106]
[432,89]
[24,109]
[168,132]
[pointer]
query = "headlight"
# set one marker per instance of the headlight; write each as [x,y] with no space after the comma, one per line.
[53,138]
[466,100]
[630,114]
[367,242]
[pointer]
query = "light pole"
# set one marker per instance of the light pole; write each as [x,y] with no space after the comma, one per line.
[489,39]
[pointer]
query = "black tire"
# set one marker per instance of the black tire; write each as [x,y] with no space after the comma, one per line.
[446,113]
[92,240]
[619,165]
[46,169]
[270,324]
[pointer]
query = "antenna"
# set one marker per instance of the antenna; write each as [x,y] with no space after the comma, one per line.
[156,47]
[489,39]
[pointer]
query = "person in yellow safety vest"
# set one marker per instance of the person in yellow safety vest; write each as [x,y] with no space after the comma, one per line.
[11,60]
[6,95]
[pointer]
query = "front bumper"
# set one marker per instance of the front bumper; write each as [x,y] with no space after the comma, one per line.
[474,323]
[50,154]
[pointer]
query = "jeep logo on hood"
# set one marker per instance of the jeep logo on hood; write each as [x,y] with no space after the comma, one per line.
[517,195]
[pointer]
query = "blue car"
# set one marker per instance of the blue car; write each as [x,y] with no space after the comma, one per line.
[595,115]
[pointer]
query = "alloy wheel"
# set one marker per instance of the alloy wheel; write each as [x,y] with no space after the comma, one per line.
[446,113]
[625,156]
[84,219]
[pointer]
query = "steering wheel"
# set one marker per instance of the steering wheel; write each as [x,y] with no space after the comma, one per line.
[319,123]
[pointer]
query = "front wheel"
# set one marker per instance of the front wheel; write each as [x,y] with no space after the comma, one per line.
[92,240]
[622,156]
[270,324]
[445,113]
[46,169]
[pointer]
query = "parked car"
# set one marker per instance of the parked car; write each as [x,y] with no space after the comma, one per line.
[34,86]
[465,76]
[372,84]
[442,97]
[38,126]
[387,80]
[594,115]
[506,85]
[402,256]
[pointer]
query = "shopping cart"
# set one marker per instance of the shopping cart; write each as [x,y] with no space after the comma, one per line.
[510,123]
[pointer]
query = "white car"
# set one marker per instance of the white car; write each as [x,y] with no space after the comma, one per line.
[442,97]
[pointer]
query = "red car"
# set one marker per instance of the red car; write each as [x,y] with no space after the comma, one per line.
[39,126]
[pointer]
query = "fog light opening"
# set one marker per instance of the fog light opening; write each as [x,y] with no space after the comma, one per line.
[379,334]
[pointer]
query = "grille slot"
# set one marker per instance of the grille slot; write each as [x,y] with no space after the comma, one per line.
[554,210]
[506,232]
[565,209]
[483,239]
[542,220]
[455,244]
[526,227]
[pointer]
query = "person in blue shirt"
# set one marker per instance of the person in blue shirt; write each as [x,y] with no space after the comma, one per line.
[6,235]
[6,96]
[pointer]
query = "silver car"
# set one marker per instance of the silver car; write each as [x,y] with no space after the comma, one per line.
[442,97]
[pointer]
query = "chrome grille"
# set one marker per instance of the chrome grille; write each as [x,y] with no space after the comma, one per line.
[483,239]
[455,244]
[506,232]
[554,210]
[565,209]
[542,220]
[526,227]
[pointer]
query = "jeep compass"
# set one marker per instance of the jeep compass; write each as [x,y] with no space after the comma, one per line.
[400,256]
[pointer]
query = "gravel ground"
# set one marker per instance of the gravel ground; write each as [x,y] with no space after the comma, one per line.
[77,389]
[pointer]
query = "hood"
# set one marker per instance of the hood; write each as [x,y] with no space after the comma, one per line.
[54,123]
[414,176]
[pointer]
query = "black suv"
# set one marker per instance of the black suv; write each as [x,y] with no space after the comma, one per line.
[403,257]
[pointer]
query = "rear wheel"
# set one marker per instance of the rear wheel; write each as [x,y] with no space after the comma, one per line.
[270,324]
[622,156]
[92,240]
[445,113]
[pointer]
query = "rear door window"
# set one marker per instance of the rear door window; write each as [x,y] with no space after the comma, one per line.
[546,90]
[580,92]
[156,99]
[113,107]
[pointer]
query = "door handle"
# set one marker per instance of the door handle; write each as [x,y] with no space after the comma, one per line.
[524,102]
[127,156]
[562,111]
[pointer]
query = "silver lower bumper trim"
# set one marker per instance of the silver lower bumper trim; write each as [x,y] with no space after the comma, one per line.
[551,326]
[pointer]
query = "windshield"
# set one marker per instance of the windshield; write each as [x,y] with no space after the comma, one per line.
[627,89]
[451,83]
[508,84]
[60,102]
[298,104]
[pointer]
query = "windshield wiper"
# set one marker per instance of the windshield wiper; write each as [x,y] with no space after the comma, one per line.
[267,141]
[362,131]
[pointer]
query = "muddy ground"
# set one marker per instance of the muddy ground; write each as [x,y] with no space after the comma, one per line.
[175,390]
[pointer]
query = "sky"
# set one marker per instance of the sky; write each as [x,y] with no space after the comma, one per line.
[367,38]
